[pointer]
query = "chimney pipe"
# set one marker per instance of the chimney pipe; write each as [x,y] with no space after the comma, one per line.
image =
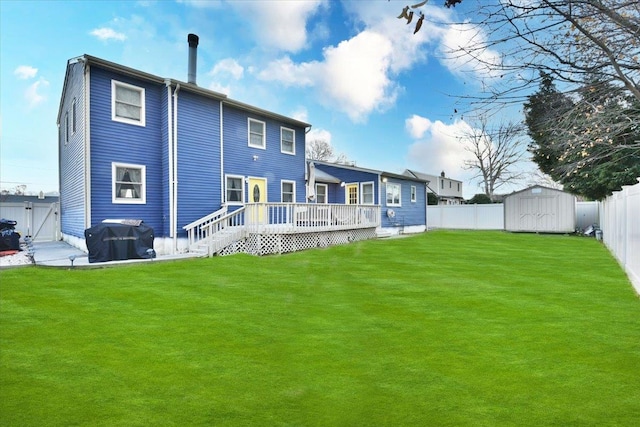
[193,57]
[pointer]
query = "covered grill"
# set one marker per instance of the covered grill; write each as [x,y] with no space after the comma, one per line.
[114,240]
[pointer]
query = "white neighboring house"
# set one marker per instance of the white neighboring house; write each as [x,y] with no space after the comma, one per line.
[447,190]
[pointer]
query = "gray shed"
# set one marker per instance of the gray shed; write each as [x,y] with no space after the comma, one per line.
[540,209]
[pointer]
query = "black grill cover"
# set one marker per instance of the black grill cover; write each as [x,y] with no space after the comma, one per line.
[9,238]
[114,242]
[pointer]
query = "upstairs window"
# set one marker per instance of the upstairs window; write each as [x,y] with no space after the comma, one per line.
[393,194]
[127,103]
[257,134]
[288,191]
[287,141]
[234,190]
[128,183]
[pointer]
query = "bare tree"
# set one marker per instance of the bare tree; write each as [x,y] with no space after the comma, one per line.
[319,149]
[495,150]
[567,39]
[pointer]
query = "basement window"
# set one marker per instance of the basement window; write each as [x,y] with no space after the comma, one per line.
[127,103]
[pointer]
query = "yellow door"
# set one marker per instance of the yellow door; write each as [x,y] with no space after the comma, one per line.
[351,195]
[258,194]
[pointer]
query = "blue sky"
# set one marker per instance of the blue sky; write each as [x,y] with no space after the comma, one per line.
[379,94]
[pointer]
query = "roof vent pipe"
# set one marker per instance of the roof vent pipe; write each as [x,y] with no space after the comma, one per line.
[193,57]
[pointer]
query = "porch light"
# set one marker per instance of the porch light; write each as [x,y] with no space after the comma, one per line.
[342,184]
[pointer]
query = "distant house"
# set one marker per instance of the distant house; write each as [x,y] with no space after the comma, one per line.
[447,190]
[402,198]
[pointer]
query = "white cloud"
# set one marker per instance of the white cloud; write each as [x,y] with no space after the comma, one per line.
[352,78]
[319,134]
[301,114]
[33,93]
[227,67]
[105,34]
[279,24]
[438,148]
[25,72]
[285,71]
[464,49]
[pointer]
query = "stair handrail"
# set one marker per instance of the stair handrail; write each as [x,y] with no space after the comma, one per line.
[195,230]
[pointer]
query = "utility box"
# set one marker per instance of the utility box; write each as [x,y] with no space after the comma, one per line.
[540,209]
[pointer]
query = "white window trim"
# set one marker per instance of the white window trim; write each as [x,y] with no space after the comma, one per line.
[143,115]
[143,185]
[293,141]
[264,134]
[66,127]
[73,117]
[373,194]
[226,194]
[346,192]
[395,184]
[414,192]
[287,181]
[326,192]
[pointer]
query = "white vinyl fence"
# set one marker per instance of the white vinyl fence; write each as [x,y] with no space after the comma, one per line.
[467,217]
[620,224]
[587,213]
[39,221]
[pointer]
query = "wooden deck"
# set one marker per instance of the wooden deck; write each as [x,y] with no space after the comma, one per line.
[248,228]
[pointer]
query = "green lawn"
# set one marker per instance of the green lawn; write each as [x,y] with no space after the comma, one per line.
[441,329]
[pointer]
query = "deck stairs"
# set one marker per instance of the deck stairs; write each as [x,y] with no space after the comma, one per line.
[213,233]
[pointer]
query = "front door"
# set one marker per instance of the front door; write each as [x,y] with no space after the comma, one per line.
[258,194]
[351,195]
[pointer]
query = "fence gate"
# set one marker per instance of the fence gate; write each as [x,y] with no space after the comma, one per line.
[39,221]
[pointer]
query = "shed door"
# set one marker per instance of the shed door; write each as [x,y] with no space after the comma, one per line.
[538,213]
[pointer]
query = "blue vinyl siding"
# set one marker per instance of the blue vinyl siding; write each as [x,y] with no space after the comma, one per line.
[270,163]
[72,156]
[349,176]
[199,188]
[113,141]
[410,213]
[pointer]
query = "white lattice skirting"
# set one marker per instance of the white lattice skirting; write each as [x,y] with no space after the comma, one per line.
[267,244]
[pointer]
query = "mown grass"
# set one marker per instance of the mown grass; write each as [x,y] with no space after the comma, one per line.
[446,328]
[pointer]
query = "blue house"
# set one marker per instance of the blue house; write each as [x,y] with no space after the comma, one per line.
[207,173]
[402,198]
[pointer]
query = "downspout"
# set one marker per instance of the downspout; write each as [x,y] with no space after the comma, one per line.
[222,181]
[174,183]
[170,154]
[87,143]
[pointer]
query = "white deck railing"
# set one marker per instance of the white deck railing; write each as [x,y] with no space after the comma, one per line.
[279,218]
[273,218]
